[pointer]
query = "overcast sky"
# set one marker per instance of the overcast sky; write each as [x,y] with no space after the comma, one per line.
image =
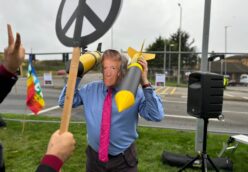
[138,20]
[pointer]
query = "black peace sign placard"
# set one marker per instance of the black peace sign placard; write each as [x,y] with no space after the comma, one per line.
[82,11]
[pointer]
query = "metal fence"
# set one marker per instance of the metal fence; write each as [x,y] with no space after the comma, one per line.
[167,62]
[232,65]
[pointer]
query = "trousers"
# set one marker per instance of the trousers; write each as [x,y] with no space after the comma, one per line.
[123,162]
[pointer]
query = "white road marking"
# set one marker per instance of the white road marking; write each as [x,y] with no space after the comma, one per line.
[186,117]
[229,95]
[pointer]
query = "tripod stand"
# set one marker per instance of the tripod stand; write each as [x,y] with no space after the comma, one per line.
[203,156]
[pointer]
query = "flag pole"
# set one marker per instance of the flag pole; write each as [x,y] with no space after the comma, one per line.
[23,120]
[66,114]
[26,107]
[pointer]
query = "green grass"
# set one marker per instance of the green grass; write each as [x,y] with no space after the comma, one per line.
[44,66]
[23,151]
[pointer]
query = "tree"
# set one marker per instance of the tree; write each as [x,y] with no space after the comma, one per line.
[189,59]
[158,45]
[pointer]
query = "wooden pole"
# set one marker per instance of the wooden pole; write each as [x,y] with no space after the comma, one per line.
[66,114]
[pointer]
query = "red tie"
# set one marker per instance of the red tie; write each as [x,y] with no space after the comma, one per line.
[105,127]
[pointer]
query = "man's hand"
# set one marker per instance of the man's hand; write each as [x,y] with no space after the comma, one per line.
[61,145]
[144,75]
[14,54]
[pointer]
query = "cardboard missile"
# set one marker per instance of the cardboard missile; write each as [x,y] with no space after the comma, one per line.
[87,61]
[125,98]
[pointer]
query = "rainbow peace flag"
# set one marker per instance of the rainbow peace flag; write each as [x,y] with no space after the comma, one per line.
[34,99]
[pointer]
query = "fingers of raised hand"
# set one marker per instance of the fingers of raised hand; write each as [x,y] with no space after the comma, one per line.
[17,42]
[10,35]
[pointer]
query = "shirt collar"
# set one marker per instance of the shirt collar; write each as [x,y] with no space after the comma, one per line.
[114,89]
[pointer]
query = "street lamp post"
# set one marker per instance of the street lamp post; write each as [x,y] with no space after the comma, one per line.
[165,55]
[226,45]
[171,45]
[179,47]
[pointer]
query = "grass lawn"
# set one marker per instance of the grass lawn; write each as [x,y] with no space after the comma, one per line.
[23,151]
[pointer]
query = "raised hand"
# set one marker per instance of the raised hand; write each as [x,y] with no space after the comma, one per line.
[14,54]
[144,75]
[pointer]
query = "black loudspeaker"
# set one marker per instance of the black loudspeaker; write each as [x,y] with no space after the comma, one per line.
[205,95]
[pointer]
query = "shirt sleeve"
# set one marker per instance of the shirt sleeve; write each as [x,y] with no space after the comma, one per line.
[50,163]
[151,107]
[7,80]
[77,100]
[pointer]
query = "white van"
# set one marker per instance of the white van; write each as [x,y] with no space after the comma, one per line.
[244,79]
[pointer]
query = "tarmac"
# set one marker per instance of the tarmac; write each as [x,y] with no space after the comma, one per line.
[58,82]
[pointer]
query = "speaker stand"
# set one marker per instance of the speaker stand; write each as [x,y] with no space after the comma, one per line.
[203,157]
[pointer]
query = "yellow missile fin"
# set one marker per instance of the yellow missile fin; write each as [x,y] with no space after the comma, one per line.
[134,54]
[148,56]
[131,52]
[124,99]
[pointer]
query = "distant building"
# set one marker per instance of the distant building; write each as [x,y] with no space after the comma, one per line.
[235,66]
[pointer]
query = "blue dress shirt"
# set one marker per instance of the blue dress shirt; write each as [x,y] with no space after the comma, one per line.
[123,124]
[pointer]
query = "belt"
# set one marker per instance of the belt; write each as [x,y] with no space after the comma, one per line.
[114,156]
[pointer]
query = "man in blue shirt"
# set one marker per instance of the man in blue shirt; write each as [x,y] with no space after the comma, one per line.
[122,152]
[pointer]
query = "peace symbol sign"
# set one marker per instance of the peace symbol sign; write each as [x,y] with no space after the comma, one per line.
[81,12]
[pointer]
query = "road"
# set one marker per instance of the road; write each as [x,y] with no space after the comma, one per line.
[174,100]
